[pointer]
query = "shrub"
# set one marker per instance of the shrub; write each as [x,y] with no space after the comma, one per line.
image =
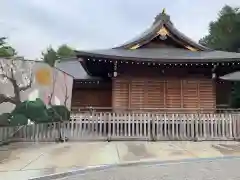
[5,119]
[58,113]
[18,119]
[235,96]
[36,110]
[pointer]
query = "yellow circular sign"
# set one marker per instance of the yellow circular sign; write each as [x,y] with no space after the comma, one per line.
[43,76]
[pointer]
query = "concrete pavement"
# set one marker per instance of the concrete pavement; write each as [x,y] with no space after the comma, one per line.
[219,169]
[27,160]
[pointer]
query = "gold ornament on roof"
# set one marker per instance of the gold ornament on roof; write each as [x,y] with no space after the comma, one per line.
[164,11]
[191,48]
[135,46]
[163,31]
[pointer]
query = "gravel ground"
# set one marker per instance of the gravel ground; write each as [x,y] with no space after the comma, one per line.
[225,169]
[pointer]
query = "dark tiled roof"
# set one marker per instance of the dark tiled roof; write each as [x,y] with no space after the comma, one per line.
[167,55]
[74,68]
[235,76]
[161,20]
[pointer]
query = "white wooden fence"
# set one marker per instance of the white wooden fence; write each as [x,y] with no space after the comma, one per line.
[131,126]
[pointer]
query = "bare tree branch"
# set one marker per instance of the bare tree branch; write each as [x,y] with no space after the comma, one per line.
[66,95]
[53,88]
[8,70]
[4,74]
[66,91]
[15,87]
[29,85]
[4,98]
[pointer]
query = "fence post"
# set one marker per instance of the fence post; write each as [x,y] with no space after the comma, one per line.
[152,129]
[61,137]
[109,128]
[196,127]
[237,127]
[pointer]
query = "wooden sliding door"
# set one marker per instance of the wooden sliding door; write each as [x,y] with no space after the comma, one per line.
[164,93]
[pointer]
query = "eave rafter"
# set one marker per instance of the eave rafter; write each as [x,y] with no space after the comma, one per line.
[214,63]
[163,28]
[163,33]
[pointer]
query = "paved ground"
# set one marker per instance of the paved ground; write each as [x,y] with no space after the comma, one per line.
[203,170]
[26,160]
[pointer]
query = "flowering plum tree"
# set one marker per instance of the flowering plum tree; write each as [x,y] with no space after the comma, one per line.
[19,74]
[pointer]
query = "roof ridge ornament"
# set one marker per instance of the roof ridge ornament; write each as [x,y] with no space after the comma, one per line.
[162,17]
[164,11]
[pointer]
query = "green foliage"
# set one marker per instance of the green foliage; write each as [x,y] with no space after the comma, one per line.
[51,56]
[36,111]
[4,119]
[6,50]
[65,51]
[18,119]
[224,33]
[235,100]
[59,113]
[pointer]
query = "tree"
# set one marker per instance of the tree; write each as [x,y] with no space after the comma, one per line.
[224,34]
[65,51]
[51,56]
[235,101]
[19,74]
[6,50]
[65,91]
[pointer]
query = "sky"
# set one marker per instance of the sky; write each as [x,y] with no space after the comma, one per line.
[33,25]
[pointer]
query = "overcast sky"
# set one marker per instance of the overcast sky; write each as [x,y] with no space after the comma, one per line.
[32,25]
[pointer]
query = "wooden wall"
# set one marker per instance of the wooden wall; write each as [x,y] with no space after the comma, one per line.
[223,93]
[169,93]
[92,97]
[143,86]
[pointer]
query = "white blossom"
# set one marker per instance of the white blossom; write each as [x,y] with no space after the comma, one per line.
[17,73]
[20,70]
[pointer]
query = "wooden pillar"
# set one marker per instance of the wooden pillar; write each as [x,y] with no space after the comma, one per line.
[113,94]
[164,93]
[181,89]
[129,94]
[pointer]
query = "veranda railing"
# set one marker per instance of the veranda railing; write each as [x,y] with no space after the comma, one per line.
[131,126]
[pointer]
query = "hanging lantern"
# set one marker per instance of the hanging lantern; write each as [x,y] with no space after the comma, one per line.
[115,69]
[213,75]
[114,74]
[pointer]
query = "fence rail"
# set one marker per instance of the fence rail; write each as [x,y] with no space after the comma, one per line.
[131,126]
[154,110]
